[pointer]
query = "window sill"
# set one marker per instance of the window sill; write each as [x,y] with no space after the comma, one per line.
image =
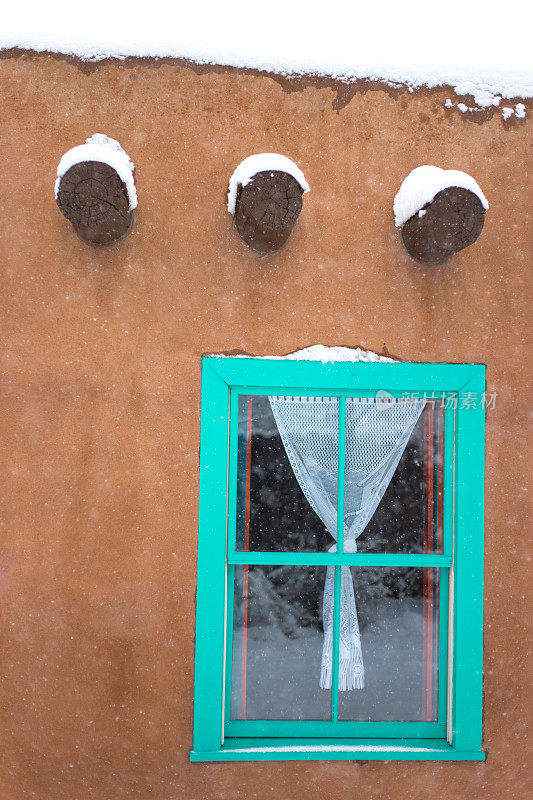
[391,750]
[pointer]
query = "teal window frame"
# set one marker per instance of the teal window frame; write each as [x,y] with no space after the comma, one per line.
[457,734]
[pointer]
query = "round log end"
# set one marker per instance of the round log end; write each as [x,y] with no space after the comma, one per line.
[452,221]
[266,210]
[95,200]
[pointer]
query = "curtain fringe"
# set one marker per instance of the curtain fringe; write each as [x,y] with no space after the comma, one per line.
[351,676]
[351,669]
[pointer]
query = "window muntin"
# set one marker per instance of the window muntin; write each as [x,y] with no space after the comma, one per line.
[463,488]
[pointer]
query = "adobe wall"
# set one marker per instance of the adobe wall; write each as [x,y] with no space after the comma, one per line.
[100,380]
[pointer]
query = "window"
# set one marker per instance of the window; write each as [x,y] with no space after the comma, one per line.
[340,561]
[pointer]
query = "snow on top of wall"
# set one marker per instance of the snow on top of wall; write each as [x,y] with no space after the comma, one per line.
[421,186]
[325,354]
[100,147]
[262,162]
[459,44]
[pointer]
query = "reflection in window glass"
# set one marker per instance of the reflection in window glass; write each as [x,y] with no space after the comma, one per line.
[397,609]
[409,517]
[273,513]
[277,644]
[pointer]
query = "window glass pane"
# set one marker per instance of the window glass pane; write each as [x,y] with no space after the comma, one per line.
[287,473]
[397,611]
[277,644]
[393,476]
[287,464]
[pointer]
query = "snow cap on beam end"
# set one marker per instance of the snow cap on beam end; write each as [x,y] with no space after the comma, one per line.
[439,213]
[262,162]
[100,147]
[423,183]
[95,190]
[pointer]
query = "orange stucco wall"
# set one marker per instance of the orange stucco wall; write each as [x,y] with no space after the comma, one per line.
[100,370]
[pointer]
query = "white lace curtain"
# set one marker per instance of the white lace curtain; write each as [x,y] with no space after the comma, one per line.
[376,435]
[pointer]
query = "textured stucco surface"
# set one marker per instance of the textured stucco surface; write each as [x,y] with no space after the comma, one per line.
[100,377]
